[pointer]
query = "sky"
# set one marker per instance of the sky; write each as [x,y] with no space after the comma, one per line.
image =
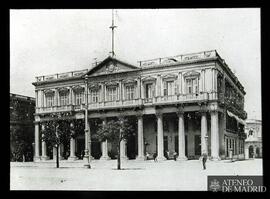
[51,41]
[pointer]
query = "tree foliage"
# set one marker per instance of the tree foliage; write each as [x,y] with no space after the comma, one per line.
[115,131]
[56,132]
[21,140]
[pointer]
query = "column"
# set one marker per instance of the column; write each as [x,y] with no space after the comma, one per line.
[204,144]
[73,97]
[70,95]
[102,92]
[57,97]
[37,99]
[202,79]
[181,136]
[140,138]
[42,98]
[138,88]
[158,86]
[123,155]
[160,152]
[214,136]
[104,146]
[120,91]
[43,148]
[180,83]
[72,155]
[37,156]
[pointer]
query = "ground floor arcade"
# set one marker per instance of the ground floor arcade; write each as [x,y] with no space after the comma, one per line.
[188,132]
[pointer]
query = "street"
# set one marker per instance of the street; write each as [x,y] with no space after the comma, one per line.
[135,175]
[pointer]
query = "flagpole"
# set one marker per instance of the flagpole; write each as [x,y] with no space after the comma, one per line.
[113,27]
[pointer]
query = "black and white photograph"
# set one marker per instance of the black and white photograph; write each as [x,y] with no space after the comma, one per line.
[136,99]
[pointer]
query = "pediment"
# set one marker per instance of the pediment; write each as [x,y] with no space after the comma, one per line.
[78,88]
[111,65]
[49,92]
[191,73]
[149,78]
[169,76]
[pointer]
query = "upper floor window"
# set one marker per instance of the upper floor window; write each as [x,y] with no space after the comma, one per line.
[64,98]
[94,95]
[250,133]
[78,97]
[168,88]
[149,90]
[49,100]
[192,85]
[130,92]
[111,93]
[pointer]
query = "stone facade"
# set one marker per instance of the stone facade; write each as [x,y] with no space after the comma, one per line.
[187,104]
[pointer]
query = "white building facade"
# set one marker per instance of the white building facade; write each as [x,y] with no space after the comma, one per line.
[187,104]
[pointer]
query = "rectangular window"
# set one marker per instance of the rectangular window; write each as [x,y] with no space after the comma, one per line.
[149,90]
[169,88]
[130,92]
[63,98]
[78,98]
[192,85]
[94,96]
[111,94]
[49,100]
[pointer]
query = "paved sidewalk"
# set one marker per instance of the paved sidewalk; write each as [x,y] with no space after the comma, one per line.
[135,175]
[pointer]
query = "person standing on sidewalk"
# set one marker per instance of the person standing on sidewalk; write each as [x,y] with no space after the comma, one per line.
[204,158]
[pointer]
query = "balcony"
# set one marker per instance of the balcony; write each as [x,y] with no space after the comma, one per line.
[161,100]
[54,109]
[61,75]
[179,58]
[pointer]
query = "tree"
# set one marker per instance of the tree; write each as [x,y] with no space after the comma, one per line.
[115,131]
[56,132]
[20,143]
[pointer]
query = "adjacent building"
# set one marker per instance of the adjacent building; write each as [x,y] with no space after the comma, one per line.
[253,143]
[22,109]
[189,104]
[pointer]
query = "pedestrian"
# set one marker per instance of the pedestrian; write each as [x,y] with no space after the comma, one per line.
[155,157]
[174,155]
[147,156]
[204,158]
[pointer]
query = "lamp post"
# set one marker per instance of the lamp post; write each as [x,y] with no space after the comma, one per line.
[86,130]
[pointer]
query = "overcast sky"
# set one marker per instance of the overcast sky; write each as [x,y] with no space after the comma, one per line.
[45,42]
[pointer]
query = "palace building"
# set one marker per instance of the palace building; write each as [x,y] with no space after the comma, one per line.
[189,104]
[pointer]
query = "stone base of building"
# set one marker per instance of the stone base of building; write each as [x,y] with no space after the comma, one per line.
[183,158]
[37,159]
[161,158]
[60,158]
[44,158]
[124,158]
[215,158]
[72,158]
[141,158]
[104,158]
